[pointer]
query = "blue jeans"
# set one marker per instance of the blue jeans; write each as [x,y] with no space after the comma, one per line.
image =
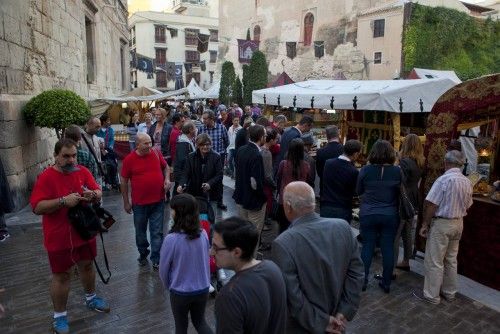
[154,214]
[384,228]
[334,212]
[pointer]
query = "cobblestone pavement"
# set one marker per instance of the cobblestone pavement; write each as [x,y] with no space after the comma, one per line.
[139,303]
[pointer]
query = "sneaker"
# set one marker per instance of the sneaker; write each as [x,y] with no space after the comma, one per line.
[420,295]
[448,298]
[211,289]
[142,261]
[98,304]
[4,235]
[60,325]
[156,266]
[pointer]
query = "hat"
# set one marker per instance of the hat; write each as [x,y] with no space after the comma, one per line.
[308,139]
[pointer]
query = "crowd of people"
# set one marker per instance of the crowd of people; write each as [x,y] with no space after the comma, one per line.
[313,280]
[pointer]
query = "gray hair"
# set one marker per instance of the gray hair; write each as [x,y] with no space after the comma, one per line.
[332,132]
[454,157]
[300,201]
[187,127]
[280,118]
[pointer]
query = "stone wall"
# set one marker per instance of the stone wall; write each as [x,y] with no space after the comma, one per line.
[43,46]
[335,23]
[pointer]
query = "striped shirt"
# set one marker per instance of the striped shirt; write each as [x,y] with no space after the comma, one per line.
[452,193]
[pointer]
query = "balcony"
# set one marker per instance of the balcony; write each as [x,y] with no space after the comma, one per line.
[181,5]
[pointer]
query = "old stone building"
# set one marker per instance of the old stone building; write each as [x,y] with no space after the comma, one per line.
[289,32]
[44,44]
[320,38]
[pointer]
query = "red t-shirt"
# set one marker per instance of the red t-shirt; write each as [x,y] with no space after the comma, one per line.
[58,233]
[146,176]
[174,134]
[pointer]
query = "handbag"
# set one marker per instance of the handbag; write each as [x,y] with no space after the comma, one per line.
[86,219]
[406,208]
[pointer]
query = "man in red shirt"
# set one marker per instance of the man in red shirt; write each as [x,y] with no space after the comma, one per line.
[58,188]
[148,173]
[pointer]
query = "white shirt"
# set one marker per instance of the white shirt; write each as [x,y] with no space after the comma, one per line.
[231,134]
[452,193]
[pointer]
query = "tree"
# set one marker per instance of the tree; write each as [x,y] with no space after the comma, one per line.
[238,91]
[247,91]
[227,80]
[56,109]
[257,74]
[248,34]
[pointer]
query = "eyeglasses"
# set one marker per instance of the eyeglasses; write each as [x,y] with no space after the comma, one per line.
[217,248]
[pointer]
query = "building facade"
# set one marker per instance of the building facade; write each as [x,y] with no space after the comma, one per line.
[169,49]
[72,44]
[319,38]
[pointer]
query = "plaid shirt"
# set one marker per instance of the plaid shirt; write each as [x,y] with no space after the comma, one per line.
[220,140]
[85,159]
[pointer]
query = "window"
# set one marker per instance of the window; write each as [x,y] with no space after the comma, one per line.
[89,43]
[308,29]
[211,76]
[213,56]
[195,75]
[256,33]
[291,49]
[214,35]
[161,56]
[160,34]
[377,58]
[378,28]
[161,79]
[192,56]
[191,37]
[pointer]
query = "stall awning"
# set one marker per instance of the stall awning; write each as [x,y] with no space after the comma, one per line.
[423,73]
[401,96]
[283,79]
[212,92]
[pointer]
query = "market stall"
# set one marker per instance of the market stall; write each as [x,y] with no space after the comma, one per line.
[474,104]
[368,109]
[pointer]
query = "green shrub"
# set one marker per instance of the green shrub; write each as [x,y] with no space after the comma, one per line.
[228,77]
[57,109]
[446,39]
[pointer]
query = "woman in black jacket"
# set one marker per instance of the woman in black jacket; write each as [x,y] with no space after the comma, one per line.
[183,148]
[202,171]
[412,163]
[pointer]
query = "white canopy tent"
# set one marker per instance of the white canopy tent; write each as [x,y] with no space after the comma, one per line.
[398,96]
[212,92]
[192,91]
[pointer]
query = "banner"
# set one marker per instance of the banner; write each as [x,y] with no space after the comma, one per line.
[144,64]
[246,50]
[170,70]
[179,82]
[319,49]
[203,43]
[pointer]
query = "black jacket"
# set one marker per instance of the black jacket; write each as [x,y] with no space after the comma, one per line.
[249,164]
[165,137]
[329,151]
[182,151]
[198,171]
[241,138]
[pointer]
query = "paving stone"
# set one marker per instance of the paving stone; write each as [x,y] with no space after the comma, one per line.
[139,304]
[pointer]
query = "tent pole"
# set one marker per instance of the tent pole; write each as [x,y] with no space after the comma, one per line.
[396,127]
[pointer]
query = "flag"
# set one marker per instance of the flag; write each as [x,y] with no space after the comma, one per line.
[179,82]
[170,70]
[203,66]
[319,49]
[173,32]
[246,50]
[144,64]
[188,67]
[203,43]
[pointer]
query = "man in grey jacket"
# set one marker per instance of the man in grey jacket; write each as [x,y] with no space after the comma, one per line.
[321,265]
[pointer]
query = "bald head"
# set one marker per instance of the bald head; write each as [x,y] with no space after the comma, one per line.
[298,200]
[143,143]
[93,125]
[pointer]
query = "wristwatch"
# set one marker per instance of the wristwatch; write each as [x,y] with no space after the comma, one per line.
[62,201]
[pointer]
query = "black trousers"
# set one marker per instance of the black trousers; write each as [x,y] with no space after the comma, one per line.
[194,305]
